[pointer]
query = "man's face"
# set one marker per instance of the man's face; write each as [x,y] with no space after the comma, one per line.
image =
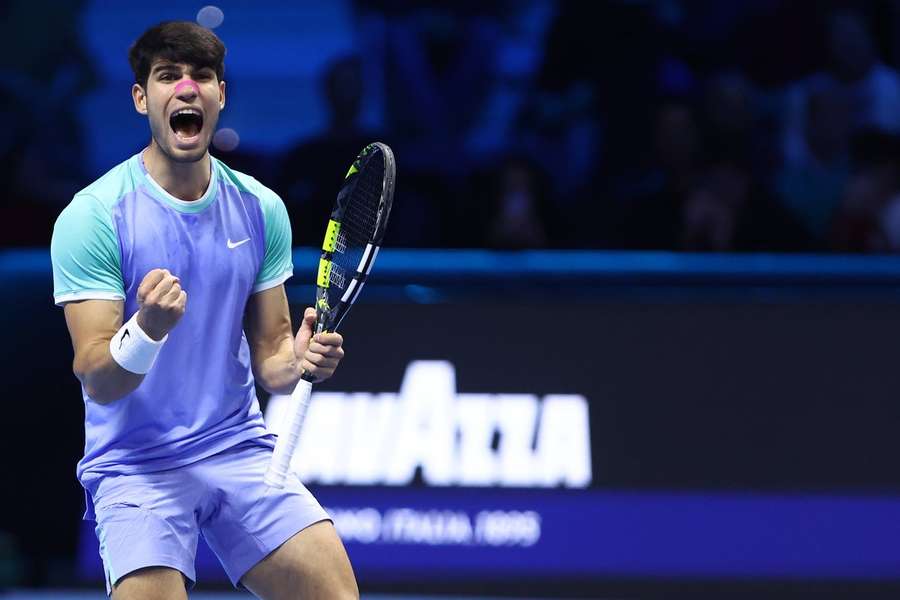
[182,104]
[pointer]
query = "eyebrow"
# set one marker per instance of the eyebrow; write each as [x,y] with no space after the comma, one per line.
[165,67]
[176,67]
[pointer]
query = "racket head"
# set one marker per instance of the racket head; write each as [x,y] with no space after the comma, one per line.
[354,233]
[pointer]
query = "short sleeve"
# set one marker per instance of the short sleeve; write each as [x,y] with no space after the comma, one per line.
[85,253]
[277,265]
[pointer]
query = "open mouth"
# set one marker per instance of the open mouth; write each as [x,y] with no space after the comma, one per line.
[186,123]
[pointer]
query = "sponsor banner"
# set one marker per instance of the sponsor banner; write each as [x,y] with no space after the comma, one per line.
[625,441]
[447,438]
[429,534]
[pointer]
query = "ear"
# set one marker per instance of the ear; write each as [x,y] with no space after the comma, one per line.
[140,98]
[221,95]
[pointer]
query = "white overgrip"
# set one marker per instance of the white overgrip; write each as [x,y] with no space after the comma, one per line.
[287,440]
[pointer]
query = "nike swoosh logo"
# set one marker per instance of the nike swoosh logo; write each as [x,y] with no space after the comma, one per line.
[232,245]
[125,334]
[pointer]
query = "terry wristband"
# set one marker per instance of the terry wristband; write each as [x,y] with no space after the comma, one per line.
[133,349]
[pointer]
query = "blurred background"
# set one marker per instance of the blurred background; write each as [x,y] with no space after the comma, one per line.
[641,281]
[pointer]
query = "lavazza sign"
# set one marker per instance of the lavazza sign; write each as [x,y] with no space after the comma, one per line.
[501,440]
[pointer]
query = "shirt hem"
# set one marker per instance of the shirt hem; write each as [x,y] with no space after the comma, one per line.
[91,475]
[267,285]
[87,295]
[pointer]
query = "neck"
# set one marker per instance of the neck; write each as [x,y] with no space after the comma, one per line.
[186,181]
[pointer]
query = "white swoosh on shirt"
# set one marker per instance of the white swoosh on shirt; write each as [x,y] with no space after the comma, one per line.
[232,245]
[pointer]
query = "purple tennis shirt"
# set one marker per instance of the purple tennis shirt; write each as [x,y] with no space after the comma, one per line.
[199,398]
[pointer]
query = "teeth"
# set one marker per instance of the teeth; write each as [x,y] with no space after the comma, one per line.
[186,111]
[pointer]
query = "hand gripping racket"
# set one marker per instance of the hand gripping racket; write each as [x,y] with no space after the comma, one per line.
[352,239]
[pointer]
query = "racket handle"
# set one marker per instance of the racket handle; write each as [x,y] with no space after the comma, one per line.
[287,441]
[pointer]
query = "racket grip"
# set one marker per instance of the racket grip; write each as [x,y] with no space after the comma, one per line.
[287,441]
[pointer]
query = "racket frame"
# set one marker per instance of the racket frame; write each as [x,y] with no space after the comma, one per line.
[328,317]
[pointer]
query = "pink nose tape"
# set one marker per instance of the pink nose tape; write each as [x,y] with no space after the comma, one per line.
[187,83]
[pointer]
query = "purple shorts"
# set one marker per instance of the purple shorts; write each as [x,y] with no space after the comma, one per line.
[153,519]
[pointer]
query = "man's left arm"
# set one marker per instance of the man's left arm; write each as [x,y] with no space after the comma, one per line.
[278,357]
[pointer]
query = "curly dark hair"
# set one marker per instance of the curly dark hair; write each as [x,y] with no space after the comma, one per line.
[179,42]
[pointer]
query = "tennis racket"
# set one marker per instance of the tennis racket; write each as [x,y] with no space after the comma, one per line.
[352,240]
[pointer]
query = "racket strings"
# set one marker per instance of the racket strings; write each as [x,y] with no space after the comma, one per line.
[361,215]
[358,223]
[337,277]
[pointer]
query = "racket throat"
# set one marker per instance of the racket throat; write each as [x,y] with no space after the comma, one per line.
[324,312]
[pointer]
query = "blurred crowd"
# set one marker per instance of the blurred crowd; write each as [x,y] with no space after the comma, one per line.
[695,125]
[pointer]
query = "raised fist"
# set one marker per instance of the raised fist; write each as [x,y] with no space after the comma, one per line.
[161,302]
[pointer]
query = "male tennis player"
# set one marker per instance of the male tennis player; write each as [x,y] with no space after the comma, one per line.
[171,269]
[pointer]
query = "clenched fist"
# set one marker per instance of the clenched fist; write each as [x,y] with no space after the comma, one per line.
[318,353]
[161,301]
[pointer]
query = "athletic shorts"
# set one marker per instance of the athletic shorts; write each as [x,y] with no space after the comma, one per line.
[154,519]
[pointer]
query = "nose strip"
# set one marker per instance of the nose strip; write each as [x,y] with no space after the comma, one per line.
[187,83]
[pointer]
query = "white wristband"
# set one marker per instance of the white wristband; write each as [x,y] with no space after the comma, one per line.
[133,349]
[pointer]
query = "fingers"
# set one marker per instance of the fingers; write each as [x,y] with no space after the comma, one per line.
[320,372]
[329,339]
[323,355]
[149,282]
[171,294]
[320,361]
[334,351]
[326,353]
[317,349]
[156,285]
[329,344]
[308,319]
[164,287]
[162,302]
[176,299]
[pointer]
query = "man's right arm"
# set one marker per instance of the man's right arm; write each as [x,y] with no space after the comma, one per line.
[93,325]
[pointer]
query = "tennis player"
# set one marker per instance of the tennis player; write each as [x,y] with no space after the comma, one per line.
[170,269]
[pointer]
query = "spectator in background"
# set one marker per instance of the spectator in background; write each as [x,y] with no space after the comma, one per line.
[773,42]
[563,130]
[597,84]
[730,113]
[509,207]
[811,181]
[518,54]
[871,88]
[734,123]
[438,75]
[311,172]
[455,79]
[519,216]
[650,211]
[866,220]
[43,71]
[704,201]
[728,210]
